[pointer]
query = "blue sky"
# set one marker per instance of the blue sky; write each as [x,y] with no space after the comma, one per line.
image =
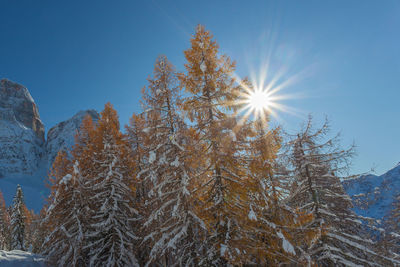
[342,58]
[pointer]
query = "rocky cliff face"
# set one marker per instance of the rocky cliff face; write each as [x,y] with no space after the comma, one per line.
[17,100]
[62,135]
[21,130]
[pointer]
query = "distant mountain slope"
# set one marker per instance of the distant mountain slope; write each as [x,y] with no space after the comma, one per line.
[373,195]
[25,155]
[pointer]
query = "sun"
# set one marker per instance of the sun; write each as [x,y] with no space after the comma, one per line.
[259,100]
[258,103]
[262,96]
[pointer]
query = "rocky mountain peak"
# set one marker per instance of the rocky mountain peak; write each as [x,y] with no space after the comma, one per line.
[16,103]
[21,131]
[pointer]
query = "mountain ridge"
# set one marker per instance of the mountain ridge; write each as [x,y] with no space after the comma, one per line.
[373,195]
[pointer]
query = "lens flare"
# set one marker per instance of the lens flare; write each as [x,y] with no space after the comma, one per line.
[258,100]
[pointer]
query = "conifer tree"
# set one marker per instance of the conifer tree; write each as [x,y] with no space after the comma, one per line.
[389,241]
[172,227]
[65,215]
[277,224]
[18,220]
[209,84]
[29,228]
[91,215]
[136,140]
[65,219]
[4,225]
[394,217]
[112,228]
[135,137]
[38,231]
[317,162]
[225,189]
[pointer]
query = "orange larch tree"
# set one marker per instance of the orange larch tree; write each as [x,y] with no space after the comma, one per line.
[64,217]
[113,227]
[135,138]
[226,190]
[172,228]
[4,225]
[279,226]
[209,85]
[91,213]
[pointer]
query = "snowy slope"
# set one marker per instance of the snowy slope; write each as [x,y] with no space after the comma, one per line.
[18,258]
[373,195]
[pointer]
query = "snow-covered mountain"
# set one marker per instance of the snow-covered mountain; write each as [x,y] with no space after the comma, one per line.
[21,131]
[373,195]
[25,155]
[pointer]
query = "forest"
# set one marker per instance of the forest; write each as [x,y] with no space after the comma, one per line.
[193,181]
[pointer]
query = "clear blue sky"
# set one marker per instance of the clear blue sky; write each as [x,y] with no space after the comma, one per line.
[345,56]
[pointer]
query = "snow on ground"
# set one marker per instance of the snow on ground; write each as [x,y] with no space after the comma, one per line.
[18,258]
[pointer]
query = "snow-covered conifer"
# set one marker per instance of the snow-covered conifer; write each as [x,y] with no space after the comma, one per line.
[135,137]
[317,163]
[18,219]
[171,226]
[65,215]
[389,242]
[38,232]
[90,215]
[211,90]
[275,223]
[29,228]
[112,227]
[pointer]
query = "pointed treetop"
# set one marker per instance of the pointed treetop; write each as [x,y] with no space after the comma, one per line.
[109,121]
[19,190]
[109,115]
